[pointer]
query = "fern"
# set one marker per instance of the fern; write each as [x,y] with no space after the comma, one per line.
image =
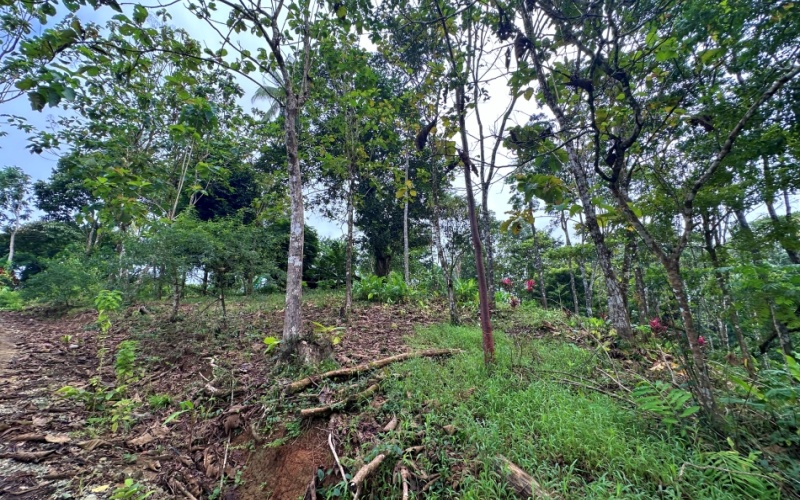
[671,405]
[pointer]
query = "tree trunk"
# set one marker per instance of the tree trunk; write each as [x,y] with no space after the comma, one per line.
[537,262]
[204,286]
[489,242]
[406,273]
[641,289]
[483,289]
[587,287]
[292,323]
[447,268]
[348,274]
[784,237]
[727,303]
[176,297]
[383,263]
[697,363]
[565,228]
[11,244]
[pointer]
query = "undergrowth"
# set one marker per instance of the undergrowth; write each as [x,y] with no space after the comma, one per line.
[578,443]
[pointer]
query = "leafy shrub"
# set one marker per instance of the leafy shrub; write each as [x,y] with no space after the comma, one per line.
[69,279]
[466,291]
[390,289]
[125,363]
[10,300]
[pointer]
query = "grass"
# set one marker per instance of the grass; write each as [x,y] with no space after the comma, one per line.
[577,443]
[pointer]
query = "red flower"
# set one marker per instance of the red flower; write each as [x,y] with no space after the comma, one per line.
[529,285]
[701,341]
[656,327]
[506,283]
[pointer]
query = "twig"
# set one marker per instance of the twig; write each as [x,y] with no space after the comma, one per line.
[184,490]
[335,456]
[224,463]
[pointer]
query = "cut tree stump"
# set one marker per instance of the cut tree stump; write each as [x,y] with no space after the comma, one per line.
[372,365]
[524,485]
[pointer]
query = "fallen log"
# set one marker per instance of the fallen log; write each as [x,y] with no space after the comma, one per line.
[324,410]
[372,365]
[520,481]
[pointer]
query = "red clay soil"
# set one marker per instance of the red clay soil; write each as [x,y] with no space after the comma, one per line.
[286,471]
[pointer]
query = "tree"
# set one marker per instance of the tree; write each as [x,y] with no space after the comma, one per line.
[14,203]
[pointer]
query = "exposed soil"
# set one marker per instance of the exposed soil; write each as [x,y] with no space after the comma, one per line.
[55,447]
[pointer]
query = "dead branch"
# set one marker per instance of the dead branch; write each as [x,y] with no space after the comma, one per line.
[336,456]
[324,410]
[183,490]
[523,484]
[364,472]
[392,425]
[404,477]
[27,456]
[372,365]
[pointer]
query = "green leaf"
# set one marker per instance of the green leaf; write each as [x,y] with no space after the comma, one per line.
[26,84]
[37,100]
[528,94]
[139,14]
[341,12]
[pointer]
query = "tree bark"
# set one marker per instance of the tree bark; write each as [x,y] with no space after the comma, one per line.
[11,245]
[641,292]
[292,323]
[565,228]
[537,262]
[348,274]
[406,273]
[447,268]
[489,242]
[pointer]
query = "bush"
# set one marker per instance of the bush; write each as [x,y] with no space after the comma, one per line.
[10,300]
[69,279]
[466,291]
[390,289]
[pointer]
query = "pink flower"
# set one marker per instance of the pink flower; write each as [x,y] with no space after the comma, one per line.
[529,285]
[656,327]
[506,283]
[701,341]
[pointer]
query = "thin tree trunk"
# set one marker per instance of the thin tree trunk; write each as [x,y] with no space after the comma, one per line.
[616,304]
[176,297]
[537,262]
[348,274]
[641,292]
[779,225]
[487,237]
[697,363]
[292,323]
[565,228]
[447,269]
[11,246]
[406,272]
[727,303]
[587,287]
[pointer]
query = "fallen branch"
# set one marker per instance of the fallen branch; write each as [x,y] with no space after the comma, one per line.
[27,456]
[336,456]
[183,490]
[522,483]
[324,410]
[372,365]
[404,477]
[364,472]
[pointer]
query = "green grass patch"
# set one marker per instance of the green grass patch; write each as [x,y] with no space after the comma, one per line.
[577,443]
